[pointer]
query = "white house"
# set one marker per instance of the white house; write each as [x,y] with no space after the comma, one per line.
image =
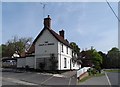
[47,45]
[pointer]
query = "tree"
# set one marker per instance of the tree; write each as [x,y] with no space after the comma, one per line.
[91,58]
[75,48]
[105,61]
[97,60]
[16,44]
[75,52]
[114,57]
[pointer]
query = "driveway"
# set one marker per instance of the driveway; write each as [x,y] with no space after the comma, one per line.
[34,78]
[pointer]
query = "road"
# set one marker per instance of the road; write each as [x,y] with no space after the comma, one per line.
[45,79]
[36,79]
[113,78]
[110,79]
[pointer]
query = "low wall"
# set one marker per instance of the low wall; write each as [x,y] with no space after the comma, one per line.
[82,72]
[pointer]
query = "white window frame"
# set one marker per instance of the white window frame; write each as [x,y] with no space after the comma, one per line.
[65,62]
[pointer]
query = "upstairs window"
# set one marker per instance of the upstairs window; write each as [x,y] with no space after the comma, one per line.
[67,49]
[62,47]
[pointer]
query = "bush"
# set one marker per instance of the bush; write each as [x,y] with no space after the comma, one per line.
[42,66]
[92,71]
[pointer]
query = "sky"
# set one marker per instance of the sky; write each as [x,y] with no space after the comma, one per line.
[85,23]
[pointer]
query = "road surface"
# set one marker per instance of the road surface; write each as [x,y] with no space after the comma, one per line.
[109,79]
[35,79]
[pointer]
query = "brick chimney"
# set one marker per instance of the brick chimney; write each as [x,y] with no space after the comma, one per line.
[61,33]
[47,22]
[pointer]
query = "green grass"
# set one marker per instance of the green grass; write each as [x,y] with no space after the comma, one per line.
[84,79]
[88,77]
[113,70]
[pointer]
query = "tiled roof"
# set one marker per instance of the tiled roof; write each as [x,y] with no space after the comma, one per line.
[31,49]
[57,36]
[60,38]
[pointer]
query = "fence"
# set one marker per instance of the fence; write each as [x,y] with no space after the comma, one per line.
[82,71]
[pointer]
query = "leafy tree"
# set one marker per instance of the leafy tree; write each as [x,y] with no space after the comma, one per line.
[75,47]
[76,51]
[16,44]
[91,57]
[114,57]
[105,63]
[97,61]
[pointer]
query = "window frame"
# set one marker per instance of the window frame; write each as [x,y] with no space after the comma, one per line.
[62,47]
[67,49]
[65,62]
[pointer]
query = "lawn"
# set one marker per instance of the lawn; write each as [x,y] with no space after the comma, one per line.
[90,76]
[113,70]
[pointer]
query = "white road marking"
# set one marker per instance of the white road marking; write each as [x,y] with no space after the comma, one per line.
[47,80]
[108,79]
[18,81]
[58,75]
[69,81]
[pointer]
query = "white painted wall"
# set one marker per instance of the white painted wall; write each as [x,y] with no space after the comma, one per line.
[48,49]
[30,61]
[45,51]
[21,62]
[62,55]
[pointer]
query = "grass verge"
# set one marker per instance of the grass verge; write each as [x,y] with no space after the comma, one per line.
[90,76]
[113,70]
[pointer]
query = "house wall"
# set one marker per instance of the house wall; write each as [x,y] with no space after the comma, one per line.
[21,62]
[30,61]
[43,50]
[62,55]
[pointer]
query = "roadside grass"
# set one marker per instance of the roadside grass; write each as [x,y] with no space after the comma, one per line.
[113,70]
[91,76]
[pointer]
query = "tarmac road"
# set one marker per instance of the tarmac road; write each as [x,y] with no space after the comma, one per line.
[114,78]
[110,80]
[34,78]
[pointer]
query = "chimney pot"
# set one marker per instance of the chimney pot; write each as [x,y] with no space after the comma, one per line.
[61,33]
[47,22]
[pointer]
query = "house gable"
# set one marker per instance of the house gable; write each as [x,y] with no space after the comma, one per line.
[46,43]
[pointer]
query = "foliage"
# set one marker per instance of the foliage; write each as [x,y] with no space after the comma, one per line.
[53,61]
[75,47]
[42,66]
[16,44]
[91,57]
[114,58]
[92,71]
[76,51]
[104,60]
